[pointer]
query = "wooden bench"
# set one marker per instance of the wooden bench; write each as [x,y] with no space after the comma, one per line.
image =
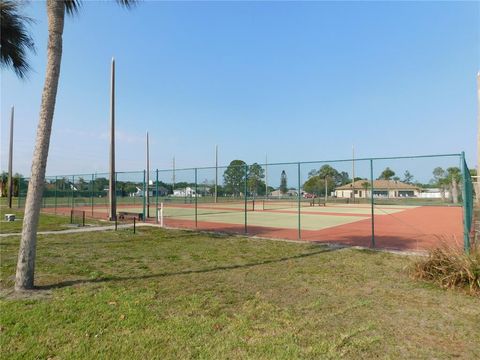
[320,202]
[129,214]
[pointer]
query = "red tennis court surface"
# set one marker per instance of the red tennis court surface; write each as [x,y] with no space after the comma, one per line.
[412,229]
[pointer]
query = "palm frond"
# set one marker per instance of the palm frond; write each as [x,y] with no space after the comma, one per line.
[127,3]
[15,39]
[72,7]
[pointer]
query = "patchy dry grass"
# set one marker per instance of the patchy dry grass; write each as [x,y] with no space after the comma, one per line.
[48,222]
[451,267]
[177,294]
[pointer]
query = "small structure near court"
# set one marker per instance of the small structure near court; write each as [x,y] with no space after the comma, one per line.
[381,189]
[9,217]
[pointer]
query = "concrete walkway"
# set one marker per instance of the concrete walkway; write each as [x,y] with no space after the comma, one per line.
[82,229]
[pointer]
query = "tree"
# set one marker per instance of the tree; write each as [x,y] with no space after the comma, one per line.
[234,177]
[454,177]
[255,176]
[365,186]
[24,278]
[440,180]
[386,174]
[283,183]
[407,177]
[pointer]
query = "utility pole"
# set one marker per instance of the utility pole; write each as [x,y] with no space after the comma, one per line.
[10,162]
[112,185]
[147,194]
[216,173]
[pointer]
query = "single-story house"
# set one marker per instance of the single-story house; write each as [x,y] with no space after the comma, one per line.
[381,189]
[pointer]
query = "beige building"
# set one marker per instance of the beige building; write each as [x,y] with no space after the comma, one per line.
[381,188]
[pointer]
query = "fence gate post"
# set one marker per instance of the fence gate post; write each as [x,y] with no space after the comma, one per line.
[55,198]
[245,195]
[371,203]
[156,197]
[466,199]
[299,204]
[196,198]
[144,196]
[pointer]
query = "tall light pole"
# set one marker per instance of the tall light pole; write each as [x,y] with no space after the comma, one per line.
[10,162]
[112,186]
[216,173]
[148,178]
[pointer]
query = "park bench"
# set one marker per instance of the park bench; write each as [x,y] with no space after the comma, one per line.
[319,202]
[129,214]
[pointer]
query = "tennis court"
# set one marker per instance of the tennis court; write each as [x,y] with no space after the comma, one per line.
[396,226]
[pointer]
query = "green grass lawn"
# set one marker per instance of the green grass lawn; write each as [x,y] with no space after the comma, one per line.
[177,294]
[48,222]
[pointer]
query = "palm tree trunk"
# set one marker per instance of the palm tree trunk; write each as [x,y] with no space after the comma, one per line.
[454,191]
[26,255]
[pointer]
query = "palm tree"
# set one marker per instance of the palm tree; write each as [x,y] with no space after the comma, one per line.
[365,186]
[15,40]
[56,10]
[454,178]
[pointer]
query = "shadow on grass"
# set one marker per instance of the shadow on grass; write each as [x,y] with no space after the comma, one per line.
[106,279]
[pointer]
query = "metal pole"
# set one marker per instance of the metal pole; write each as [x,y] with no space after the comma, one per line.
[156,196]
[245,196]
[478,139]
[216,173]
[73,189]
[55,200]
[173,176]
[10,161]
[372,203]
[144,203]
[148,178]
[353,173]
[266,176]
[19,191]
[92,193]
[299,204]
[326,190]
[196,196]
[466,230]
[112,184]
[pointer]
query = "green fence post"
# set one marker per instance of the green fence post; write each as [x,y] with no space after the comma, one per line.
[372,203]
[73,187]
[245,197]
[19,192]
[156,197]
[466,215]
[92,194]
[144,196]
[299,205]
[55,195]
[196,198]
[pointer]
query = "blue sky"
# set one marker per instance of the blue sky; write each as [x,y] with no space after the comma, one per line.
[299,81]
